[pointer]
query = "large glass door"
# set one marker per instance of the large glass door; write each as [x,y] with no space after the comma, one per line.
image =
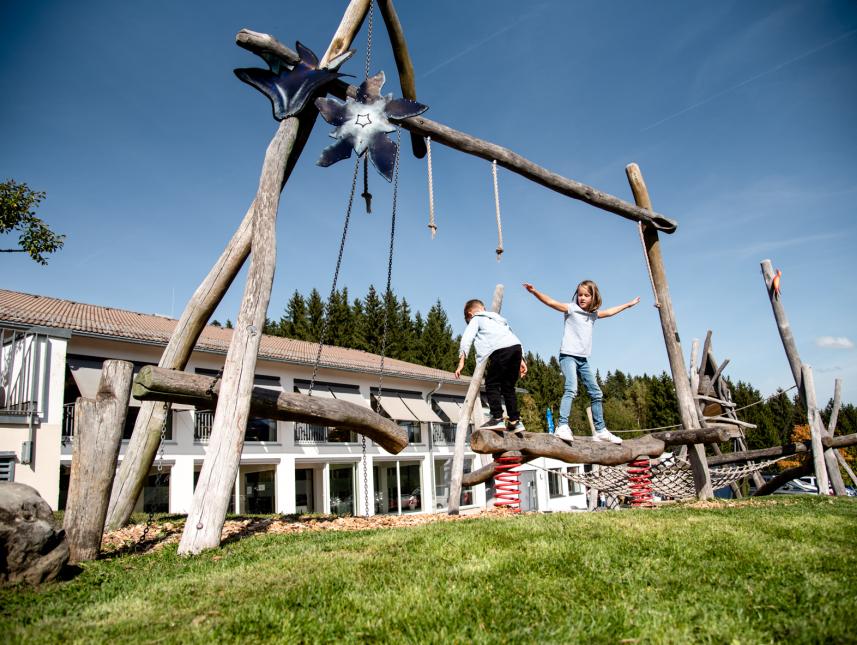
[342,489]
[304,491]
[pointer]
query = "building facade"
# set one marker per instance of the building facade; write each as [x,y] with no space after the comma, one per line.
[52,353]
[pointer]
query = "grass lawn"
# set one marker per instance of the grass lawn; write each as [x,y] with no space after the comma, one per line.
[781,569]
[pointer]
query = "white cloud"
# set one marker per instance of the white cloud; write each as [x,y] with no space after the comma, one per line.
[834,342]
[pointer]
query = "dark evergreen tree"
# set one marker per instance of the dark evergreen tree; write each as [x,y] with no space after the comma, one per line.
[437,346]
[315,316]
[294,322]
[373,322]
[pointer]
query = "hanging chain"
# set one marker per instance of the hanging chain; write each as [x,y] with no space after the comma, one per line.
[497,209]
[326,320]
[648,264]
[159,477]
[366,194]
[386,312]
[431,223]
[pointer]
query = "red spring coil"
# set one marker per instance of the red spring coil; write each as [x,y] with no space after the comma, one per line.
[640,478]
[507,483]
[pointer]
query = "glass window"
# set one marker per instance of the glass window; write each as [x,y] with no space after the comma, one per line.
[7,468]
[575,488]
[342,489]
[442,470]
[258,492]
[259,429]
[156,493]
[555,482]
[414,430]
[304,502]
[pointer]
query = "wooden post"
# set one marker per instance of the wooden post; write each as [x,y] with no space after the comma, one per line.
[453,502]
[592,498]
[220,468]
[790,347]
[831,428]
[686,404]
[815,431]
[98,428]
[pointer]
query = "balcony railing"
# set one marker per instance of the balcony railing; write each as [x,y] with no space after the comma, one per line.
[67,423]
[306,433]
[443,434]
[203,420]
[24,365]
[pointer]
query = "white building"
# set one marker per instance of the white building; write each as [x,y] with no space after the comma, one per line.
[52,352]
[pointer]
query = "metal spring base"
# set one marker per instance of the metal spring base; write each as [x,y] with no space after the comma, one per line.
[507,483]
[640,479]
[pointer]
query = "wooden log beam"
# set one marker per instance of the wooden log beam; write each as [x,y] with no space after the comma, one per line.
[687,406]
[454,498]
[211,496]
[158,384]
[583,450]
[783,478]
[98,427]
[477,147]
[407,80]
[712,433]
[801,447]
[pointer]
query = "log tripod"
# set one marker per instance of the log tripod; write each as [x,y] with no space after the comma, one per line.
[256,232]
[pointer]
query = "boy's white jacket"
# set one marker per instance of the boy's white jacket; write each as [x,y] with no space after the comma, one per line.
[488,331]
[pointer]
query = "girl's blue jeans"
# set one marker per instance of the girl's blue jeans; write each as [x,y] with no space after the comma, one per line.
[571,366]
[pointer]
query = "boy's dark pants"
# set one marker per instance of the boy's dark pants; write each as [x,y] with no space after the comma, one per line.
[500,378]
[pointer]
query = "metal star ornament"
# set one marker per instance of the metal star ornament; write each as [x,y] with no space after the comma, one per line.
[363,122]
[289,86]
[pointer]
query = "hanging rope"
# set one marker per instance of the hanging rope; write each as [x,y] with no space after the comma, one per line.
[648,264]
[497,209]
[431,223]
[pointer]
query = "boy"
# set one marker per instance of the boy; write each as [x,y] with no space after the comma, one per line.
[494,339]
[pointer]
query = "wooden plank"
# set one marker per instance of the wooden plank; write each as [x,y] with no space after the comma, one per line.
[98,427]
[220,468]
[155,383]
[454,498]
[687,406]
[783,478]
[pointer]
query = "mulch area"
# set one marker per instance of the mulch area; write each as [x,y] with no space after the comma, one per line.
[161,533]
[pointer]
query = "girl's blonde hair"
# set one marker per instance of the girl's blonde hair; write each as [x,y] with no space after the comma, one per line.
[592,288]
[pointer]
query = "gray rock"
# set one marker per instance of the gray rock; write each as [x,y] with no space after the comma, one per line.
[32,548]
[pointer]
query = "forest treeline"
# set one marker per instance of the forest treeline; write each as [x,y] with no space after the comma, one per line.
[630,402]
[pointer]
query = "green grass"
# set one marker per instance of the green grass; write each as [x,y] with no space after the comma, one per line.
[779,570]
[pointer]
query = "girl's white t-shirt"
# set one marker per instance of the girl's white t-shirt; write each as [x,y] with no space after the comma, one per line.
[577,331]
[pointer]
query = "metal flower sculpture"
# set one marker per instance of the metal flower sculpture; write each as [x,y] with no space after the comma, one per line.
[289,85]
[363,122]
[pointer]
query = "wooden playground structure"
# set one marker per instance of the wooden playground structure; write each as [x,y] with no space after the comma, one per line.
[99,499]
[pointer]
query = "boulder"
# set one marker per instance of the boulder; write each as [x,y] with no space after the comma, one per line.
[33,548]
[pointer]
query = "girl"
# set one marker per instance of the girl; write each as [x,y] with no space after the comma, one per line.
[580,316]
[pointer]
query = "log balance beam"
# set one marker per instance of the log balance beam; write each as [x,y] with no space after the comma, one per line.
[160,384]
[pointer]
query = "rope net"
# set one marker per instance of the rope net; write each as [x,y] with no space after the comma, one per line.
[671,477]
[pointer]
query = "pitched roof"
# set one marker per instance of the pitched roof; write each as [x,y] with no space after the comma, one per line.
[23,309]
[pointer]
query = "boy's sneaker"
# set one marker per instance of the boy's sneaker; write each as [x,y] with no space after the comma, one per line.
[493,424]
[515,426]
[564,433]
[606,435]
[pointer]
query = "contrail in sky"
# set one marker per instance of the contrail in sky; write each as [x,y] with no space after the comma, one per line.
[751,79]
[469,49]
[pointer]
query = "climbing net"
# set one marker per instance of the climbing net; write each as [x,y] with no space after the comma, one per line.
[671,477]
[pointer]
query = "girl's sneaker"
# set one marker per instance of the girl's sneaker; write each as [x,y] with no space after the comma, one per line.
[493,424]
[606,435]
[564,433]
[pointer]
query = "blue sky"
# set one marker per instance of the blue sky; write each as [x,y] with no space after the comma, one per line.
[741,116]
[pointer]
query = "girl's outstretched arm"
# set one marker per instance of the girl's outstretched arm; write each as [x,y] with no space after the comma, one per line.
[612,311]
[550,302]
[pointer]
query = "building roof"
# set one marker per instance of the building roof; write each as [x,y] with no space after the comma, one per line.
[24,310]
